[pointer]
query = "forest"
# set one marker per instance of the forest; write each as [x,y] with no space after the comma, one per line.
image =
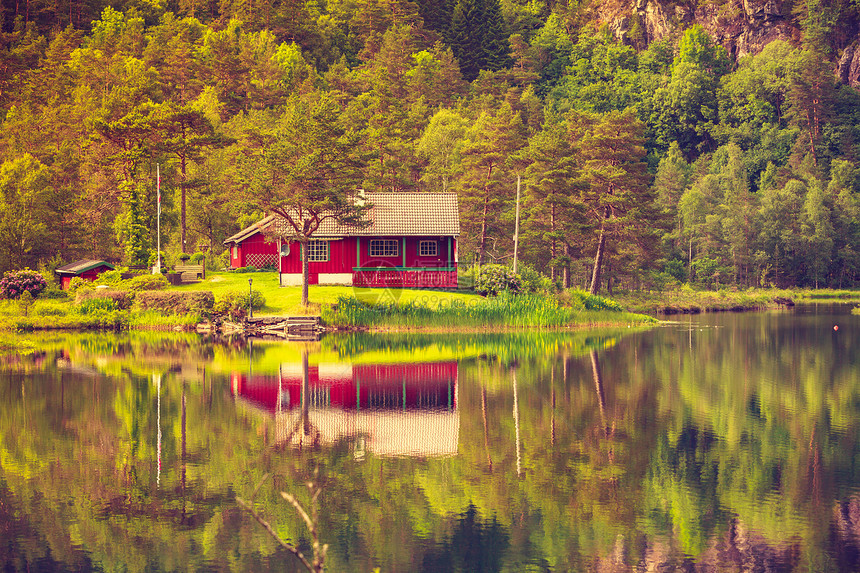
[640,164]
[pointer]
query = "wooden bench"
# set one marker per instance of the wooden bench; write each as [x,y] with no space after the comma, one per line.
[191,272]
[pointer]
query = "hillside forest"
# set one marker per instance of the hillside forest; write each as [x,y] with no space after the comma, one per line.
[640,163]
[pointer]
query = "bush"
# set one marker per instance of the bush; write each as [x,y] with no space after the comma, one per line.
[269,268]
[582,299]
[123,299]
[197,258]
[248,269]
[532,280]
[176,302]
[78,283]
[15,283]
[54,293]
[113,277]
[494,279]
[235,304]
[146,283]
[184,257]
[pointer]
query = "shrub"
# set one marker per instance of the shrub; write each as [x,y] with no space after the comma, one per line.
[111,277]
[248,269]
[123,299]
[235,304]
[15,283]
[146,283]
[269,268]
[532,280]
[78,283]
[494,279]
[176,301]
[582,299]
[184,257]
[197,258]
[54,292]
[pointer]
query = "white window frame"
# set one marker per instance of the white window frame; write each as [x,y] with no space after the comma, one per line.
[425,248]
[384,248]
[318,252]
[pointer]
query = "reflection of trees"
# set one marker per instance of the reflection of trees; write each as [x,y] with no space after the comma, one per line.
[671,450]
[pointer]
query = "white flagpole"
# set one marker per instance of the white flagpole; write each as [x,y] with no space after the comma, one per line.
[158,218]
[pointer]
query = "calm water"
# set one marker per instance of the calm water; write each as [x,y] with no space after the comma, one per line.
[725,442]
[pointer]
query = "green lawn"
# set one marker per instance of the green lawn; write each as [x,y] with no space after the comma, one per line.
[282,301]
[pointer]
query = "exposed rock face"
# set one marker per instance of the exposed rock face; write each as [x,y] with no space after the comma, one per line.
[742,29]
[849,65]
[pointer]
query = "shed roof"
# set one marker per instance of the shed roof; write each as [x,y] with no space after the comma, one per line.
[250,230]
[401,214]
[81,266]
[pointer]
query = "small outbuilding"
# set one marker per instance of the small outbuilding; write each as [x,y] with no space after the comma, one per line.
[88,269]
[250,247]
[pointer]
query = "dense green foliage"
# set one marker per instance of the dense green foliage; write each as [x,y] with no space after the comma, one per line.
[641,166]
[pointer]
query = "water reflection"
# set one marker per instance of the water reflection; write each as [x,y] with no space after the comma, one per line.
[726,443]
[407,409]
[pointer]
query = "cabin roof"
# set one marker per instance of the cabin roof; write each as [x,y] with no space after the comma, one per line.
[401,214]
[81,266]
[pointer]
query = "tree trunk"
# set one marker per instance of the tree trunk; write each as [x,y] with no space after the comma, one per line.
[598,256]
[182,208]
[567,252]
[305,272]
[483,245]
[553,247]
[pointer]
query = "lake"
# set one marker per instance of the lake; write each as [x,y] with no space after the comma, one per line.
[717,442]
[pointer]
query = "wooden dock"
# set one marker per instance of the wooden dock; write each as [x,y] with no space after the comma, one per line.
[285,327]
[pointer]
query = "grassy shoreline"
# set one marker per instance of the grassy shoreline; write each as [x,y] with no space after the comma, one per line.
[412,310]
[688,301]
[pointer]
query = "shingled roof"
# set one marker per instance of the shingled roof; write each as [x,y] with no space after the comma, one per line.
[400,214]
[81,266]
[257,227]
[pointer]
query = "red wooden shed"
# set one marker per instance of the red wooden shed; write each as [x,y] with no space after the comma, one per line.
[88,269]
[410,241]
[250,247]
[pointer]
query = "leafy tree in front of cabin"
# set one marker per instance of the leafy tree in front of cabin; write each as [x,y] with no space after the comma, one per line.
[304,166]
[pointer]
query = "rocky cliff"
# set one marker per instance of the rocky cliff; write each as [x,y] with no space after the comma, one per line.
[743,27]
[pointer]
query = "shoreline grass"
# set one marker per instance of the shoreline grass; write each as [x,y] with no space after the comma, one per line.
[346,307]
[503,312]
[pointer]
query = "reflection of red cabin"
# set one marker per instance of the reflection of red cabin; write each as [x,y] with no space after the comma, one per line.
[251,248]
[87,269]
[425,386]
[387,410]
[410,241]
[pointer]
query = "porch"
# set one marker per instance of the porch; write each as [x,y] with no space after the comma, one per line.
[405,277]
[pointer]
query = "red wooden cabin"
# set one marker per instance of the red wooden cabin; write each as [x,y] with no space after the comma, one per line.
[410,241]
[87,269]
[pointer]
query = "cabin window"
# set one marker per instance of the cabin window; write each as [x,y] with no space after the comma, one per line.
[235,251]
[318,251]
[383,248]
[428,249]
